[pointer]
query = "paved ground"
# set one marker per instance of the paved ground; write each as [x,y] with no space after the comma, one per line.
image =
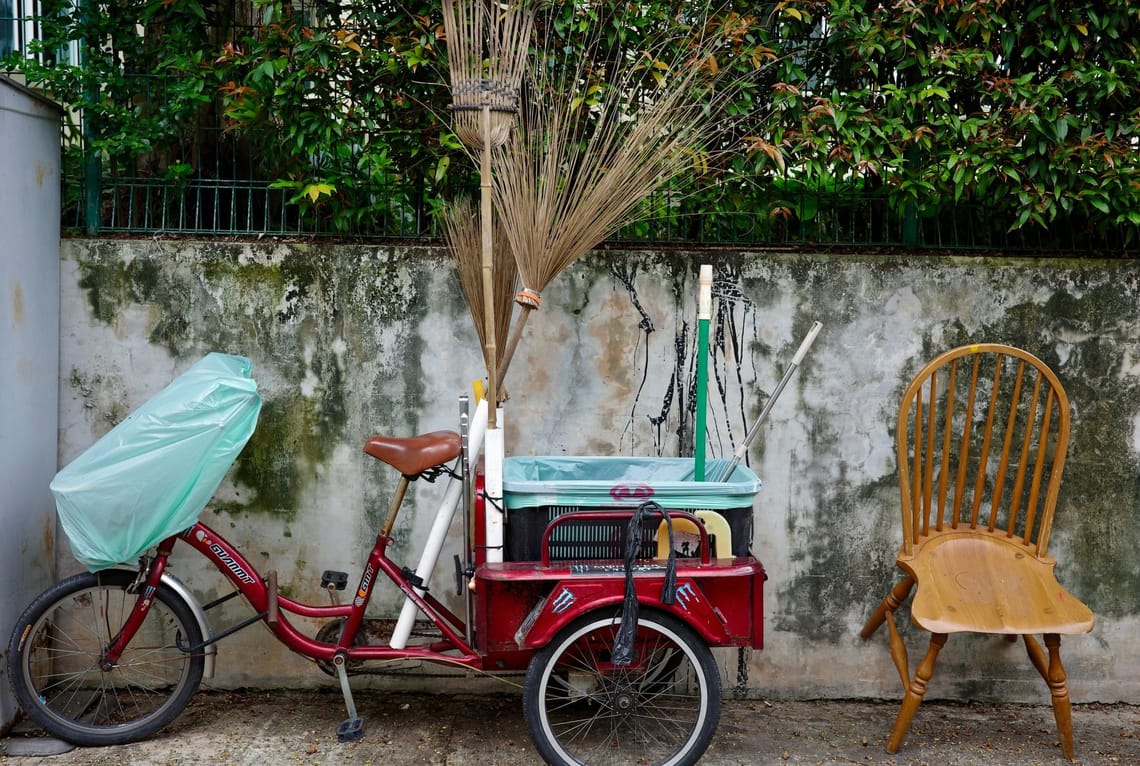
[279,728]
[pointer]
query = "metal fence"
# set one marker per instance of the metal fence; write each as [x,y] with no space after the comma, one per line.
[210,183]
[231,207]
[851,218]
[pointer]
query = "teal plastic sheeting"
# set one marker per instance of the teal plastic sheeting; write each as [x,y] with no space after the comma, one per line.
[152,474]
[592,482]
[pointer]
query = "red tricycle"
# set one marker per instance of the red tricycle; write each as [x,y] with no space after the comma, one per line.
[611,611]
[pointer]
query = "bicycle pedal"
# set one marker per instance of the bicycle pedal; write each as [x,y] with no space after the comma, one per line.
[350,730]
[338,580]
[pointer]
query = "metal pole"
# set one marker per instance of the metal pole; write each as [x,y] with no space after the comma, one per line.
[742,450]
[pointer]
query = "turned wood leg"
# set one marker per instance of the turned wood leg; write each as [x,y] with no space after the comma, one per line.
[915,692]
[1053,672]
[1037,656]
[889,604]
[898,651]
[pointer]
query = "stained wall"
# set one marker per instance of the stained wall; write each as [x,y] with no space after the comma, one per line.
[350,341]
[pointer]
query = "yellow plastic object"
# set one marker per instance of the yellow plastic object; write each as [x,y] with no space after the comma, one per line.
[480,390]
[720,535]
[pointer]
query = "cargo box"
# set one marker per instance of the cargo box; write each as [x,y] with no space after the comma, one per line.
[536,490]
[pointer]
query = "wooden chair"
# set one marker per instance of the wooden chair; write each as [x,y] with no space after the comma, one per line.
[981,439]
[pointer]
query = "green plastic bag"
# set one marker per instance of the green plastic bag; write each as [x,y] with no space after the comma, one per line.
[152,474]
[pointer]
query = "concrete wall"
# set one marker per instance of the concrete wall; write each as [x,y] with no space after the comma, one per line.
[29,359]
[348,341]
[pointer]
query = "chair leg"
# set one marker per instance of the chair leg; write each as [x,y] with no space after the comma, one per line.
[915,693]
[892,602]
[898,651]
[1053,672]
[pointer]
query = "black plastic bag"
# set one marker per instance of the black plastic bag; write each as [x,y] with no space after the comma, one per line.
[622,653]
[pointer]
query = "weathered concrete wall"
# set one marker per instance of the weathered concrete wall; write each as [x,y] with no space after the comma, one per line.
[348,341]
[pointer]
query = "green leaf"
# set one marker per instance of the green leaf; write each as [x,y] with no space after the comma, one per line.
[441,168]
[1062,127]
[315,191]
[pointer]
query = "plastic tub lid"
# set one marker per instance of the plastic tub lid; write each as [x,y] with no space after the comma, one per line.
[623,481]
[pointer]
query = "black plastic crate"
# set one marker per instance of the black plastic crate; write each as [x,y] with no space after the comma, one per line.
[601,539]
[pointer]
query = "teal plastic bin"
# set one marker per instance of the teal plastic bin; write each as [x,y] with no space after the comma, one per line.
[537,490]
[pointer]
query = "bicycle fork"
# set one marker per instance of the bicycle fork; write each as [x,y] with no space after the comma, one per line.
[151,575]
[146,586]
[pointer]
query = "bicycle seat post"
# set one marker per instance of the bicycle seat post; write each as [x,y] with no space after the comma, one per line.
[394,507]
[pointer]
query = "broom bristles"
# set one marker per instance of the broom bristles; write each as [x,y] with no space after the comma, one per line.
[600,133]
[570,176]
[487,45]
[461,232]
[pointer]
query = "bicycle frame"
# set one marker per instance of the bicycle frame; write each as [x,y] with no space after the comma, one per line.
[273,607]
[519,607]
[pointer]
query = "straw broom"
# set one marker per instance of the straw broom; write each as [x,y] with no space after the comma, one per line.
[576,172]
[487,48]
[488,43]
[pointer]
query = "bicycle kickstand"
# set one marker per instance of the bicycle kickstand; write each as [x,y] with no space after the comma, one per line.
[351,729]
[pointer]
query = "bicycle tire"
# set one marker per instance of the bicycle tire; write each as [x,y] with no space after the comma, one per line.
[662,709]
[54,661]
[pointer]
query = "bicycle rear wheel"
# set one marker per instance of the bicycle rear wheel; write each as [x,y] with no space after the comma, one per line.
[55,661]
[661,709]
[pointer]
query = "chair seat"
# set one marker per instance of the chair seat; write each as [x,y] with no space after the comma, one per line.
[983,582]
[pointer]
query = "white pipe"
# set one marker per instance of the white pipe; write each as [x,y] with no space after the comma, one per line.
[439,530]
[704,292]
[492,508]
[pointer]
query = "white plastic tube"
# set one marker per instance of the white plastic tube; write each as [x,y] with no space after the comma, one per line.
[439,529]
[492,509]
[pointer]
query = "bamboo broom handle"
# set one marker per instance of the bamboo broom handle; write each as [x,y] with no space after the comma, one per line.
[489,342]
[527,301]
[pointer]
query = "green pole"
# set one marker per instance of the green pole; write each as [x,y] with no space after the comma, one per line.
[910,212]
[704,313]
[92,169]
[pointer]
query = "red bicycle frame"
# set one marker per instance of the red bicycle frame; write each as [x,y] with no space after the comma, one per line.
[273,607]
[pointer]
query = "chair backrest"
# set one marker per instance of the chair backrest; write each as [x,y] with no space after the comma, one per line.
[981,438]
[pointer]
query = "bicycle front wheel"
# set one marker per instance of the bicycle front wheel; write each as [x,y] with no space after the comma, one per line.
[55,661]
[660,709]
